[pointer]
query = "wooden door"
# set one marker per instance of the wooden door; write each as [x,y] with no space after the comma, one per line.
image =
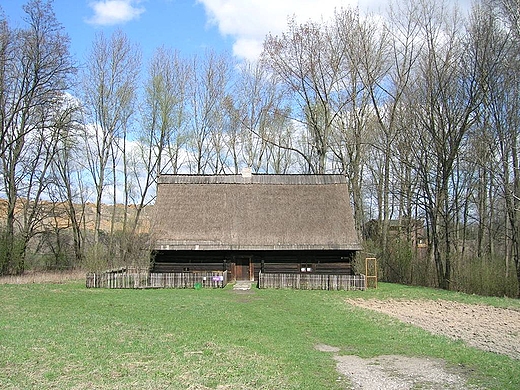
[244,269]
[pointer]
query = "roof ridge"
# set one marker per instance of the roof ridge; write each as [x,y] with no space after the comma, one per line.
[291,179]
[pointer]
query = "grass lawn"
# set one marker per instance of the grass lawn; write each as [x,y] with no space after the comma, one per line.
[64,336]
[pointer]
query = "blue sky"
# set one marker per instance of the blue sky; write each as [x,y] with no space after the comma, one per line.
[181,24]
[190,26]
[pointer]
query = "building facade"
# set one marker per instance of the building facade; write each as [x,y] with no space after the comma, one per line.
[246,224]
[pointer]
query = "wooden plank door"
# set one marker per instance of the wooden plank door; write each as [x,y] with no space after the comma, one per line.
[244,269]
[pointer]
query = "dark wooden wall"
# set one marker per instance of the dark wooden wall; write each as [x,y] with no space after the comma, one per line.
[287,261]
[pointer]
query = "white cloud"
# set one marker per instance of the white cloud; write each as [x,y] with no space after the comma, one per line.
[248,48]
[110,12]
[249,21]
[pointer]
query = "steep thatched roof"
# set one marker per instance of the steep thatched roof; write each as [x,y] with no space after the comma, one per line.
[257,212]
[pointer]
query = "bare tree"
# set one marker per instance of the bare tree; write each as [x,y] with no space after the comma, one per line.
[387,55]
[351,102]
[448,96]
[7,41]
[35,70]
[109,92]
[511,13]
[164,111]
[503,107]
[255,116]
[66,190]
[208,89]
[307,63]
[159,141]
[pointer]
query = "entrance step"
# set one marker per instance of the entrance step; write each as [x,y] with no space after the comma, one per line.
[242,285]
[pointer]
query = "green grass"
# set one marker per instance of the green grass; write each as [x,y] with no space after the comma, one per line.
[67,337]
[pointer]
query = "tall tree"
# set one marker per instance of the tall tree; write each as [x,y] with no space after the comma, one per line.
[35,74]
[66,190]
[255,114]
[448,96]
[164,111]
[351,103]
[504,104]
[208,89]
[109,91]
[305,61]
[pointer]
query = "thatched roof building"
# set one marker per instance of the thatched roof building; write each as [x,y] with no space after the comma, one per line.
[253,220]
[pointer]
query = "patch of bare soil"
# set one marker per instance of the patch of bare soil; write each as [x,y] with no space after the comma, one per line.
[393,372]
[485,327]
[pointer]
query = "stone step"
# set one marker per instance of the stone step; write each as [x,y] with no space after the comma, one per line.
[242,285]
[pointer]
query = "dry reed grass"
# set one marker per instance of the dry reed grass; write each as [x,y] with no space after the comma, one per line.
[56,277]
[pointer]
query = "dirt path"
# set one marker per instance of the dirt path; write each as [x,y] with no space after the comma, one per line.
[485,327]
[392,372]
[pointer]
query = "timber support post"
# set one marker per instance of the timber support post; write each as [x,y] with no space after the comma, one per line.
[371,271]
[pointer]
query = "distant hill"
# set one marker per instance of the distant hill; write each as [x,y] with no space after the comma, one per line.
[55,215]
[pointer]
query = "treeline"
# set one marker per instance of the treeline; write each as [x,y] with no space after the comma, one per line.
[419,109]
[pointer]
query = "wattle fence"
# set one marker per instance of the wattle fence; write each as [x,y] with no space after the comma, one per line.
[142,280]
[312,281]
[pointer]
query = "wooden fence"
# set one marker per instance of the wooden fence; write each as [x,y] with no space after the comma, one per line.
[218,279]
[123,279]
[312,281]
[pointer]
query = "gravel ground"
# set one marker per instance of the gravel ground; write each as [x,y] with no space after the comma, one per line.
[485,327]
[393,372]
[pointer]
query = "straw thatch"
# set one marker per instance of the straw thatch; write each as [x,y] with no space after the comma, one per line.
[257,212]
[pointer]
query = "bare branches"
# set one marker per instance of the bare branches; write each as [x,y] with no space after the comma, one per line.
[35,73]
